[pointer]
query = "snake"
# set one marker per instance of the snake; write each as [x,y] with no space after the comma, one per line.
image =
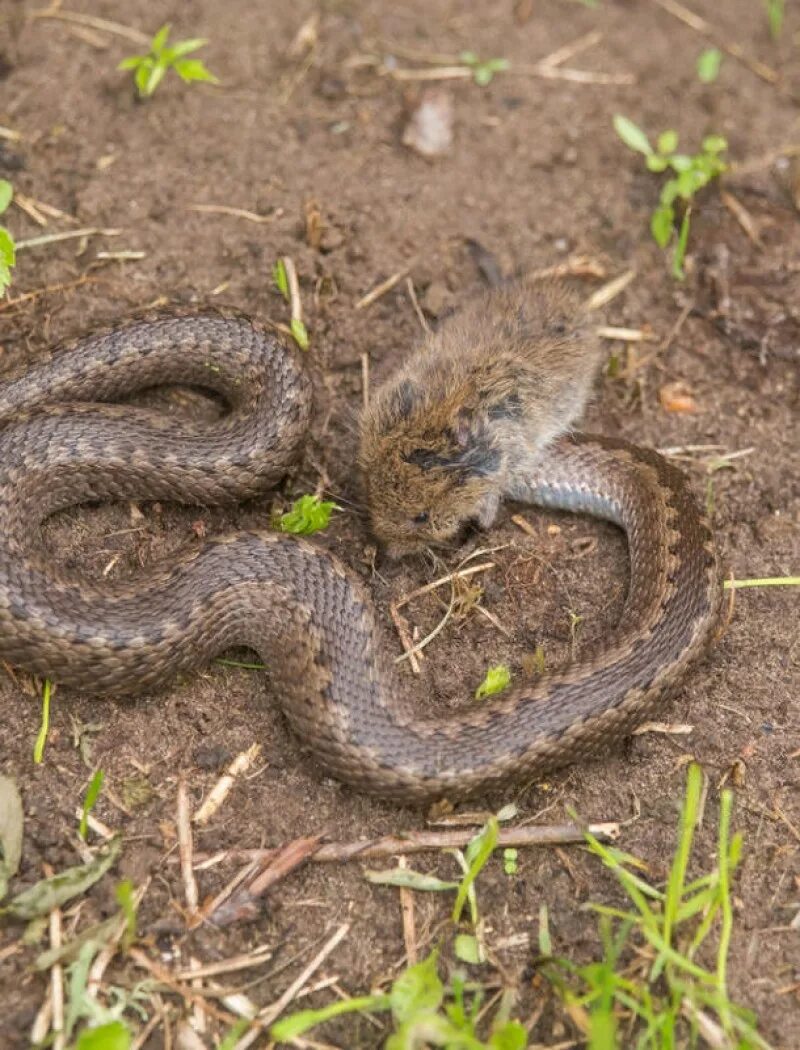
[70,434]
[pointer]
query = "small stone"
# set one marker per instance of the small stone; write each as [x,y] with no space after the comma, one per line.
[436,299]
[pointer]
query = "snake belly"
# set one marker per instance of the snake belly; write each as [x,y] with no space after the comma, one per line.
[63,441]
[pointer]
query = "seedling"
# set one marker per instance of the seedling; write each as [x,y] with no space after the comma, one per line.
[284,282]
[496,680]
[92,794]
[775,12]
[675,996]
[149,70]
[8,250]
[44,725]
[708,65]
[308,514]
[483,70]
[692,173]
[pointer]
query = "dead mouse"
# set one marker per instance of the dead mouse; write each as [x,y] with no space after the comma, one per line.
[497,383]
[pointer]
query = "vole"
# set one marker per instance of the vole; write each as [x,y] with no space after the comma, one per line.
[496,383]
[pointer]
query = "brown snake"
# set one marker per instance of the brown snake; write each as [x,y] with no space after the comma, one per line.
[297,606]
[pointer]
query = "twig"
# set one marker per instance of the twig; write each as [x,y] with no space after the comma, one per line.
[56,982]
[61,286]
[401,625]
[102,24]
[426,328]
[65,235]
[604,295]
[225,209]
[365,379]
[257,957]
[185,848]
[217,795]
[409,654]
[561,54]
[742,216]
[624,335]
[295,303]
[679,323]
[165,977]
[574,76]
[428,587]
[382,288]
[271,1013]
[409,921]
[451,838]
[574,266]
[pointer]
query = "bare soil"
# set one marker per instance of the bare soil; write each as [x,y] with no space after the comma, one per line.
[537,176]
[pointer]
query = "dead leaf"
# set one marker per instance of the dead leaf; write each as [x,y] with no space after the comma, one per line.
[430,128]
[677,397]
[11,819]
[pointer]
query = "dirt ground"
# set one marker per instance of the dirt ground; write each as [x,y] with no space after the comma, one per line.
[537,177]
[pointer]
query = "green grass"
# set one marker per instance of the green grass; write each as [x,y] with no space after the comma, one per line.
[308,514]
[8,248]
[44,725]
[690,174]
[150,69]
[91,796]
[650,982]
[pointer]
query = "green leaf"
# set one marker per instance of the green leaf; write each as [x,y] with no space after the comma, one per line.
[632,135]
[410,879]
[681,162]
[189,69]
[43,896]
[510,866]
[656,163]
[160,39]
[142,76]
[467,949]
[708,65]
[127,905]
[6,194]
[294,1025]
[44,726]
[133,62]
[299,333]
[512,1036]
[715,143]
[469,58]
[308,514]
[11,821]
[5,276]
[112,1036]
[680,247]
[661,224]
[8,250]
[667,142]
[280,278]
[478,852]
[417,990]
[775,12]
[496,680]
[184,47]
[153,79]
[92,792]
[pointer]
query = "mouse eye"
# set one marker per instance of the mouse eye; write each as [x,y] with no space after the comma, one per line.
[421,518]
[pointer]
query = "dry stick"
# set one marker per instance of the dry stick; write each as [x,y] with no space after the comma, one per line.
[561,54]
[257,957]
[365,379]
[56,980]
[217,795]
[225,209]
[66,235]
[574,76]
[604,295]
[623,335]
[429,841]
[295,303]
[428,587]
[440,626]
[574,266]
[146,1032]
[102,24]
[409,921]
[382,288]
[185,848]
[700,25]
[426,328]
[742,216]
[401,625]
[62,286]
[165,977]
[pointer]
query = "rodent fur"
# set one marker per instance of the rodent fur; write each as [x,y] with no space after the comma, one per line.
[499,381]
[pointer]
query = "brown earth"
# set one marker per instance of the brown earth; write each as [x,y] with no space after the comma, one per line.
[535,175]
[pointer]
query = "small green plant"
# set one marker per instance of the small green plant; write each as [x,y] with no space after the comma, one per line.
[308,514]
[649,978]
[91,796]
[8,250]
[775,13]
[483,70]
[692,173]
[708,65]
[496,680]
[425,1012]
[44,725]
[296,326]
[149,70]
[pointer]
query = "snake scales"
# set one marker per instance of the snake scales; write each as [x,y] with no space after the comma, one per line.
[298,607]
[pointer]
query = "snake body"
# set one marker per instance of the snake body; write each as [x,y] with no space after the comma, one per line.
[62,442]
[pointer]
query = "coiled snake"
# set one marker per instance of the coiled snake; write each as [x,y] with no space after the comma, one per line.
[297,606]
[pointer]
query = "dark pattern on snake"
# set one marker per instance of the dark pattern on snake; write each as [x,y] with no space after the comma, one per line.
[300,609]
